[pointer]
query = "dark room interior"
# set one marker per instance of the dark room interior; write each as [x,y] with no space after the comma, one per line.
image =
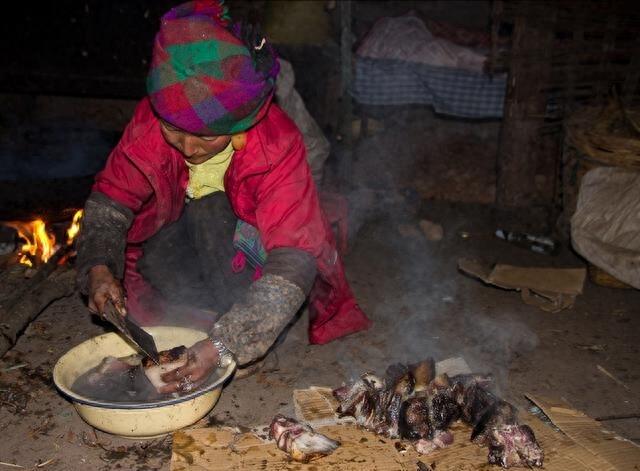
[320,234]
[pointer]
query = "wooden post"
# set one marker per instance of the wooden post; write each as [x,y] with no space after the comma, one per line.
[346,104]
[497,8]
[578,44]
[608,42]
[527,161]
[630,86]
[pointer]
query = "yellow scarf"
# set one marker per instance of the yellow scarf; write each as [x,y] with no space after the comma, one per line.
[208,177]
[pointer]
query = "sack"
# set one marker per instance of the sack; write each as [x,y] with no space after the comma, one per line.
[605,228]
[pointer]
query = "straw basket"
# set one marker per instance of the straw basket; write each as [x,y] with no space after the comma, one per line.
[602,278]
[608,136]
[599,137]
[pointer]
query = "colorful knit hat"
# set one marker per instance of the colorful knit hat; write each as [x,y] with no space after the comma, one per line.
[205,78]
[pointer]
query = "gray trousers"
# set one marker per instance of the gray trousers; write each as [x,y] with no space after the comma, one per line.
[189,261]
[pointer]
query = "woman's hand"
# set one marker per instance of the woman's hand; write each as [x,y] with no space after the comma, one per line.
[104,287]
[202,360]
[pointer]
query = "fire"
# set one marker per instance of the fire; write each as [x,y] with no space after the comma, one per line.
[74,228]
[39,243]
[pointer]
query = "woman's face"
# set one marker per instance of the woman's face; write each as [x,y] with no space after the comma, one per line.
[195,149]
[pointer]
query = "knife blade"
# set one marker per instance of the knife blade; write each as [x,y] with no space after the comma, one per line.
[132,331]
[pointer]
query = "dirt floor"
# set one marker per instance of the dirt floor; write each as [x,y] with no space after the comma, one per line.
[421,306]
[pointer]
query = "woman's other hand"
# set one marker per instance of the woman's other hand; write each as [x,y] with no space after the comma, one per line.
[202,360]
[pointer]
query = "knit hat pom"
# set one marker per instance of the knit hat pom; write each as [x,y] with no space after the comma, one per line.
[214,9]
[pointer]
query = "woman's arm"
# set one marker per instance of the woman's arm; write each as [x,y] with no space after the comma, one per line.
[253,324]
[290,224]
[101,245]
[119,192]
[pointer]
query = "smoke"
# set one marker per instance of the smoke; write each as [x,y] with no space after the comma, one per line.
[493,343]
[189,263]
[422,307]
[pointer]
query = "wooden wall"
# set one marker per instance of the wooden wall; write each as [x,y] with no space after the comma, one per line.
[560,56]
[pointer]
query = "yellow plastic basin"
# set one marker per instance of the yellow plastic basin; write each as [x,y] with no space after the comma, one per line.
[136,420]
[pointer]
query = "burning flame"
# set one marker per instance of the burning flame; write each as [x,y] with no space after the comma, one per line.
[74,228]
[40,245]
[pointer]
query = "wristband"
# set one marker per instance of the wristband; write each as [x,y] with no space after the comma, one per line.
[225,356]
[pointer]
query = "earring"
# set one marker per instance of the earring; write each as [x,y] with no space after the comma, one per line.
[239,141]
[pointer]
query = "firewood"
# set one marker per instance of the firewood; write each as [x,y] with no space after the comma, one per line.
[49,283]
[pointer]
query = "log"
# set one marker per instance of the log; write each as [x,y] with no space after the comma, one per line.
[49,284]
[42,272]
[14,321]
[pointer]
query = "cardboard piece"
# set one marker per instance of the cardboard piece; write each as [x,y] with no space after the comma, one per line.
[581,446]
[550,289]
[453,366]
[214,449]
[593,440]
[317,407]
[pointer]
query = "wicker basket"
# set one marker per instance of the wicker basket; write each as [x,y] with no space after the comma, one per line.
[602,278]
[609,135]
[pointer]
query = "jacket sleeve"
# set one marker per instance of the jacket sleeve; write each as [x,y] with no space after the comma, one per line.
[253,323]
[102,238]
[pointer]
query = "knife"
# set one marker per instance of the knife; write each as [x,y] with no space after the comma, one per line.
[132,331]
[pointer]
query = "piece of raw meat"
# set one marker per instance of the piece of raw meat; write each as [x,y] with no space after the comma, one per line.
[423,373]
[441,439]
[110,366]
[414,419]
[514,445]
[168,360]
[413,403]
[299,440]
[400,382]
